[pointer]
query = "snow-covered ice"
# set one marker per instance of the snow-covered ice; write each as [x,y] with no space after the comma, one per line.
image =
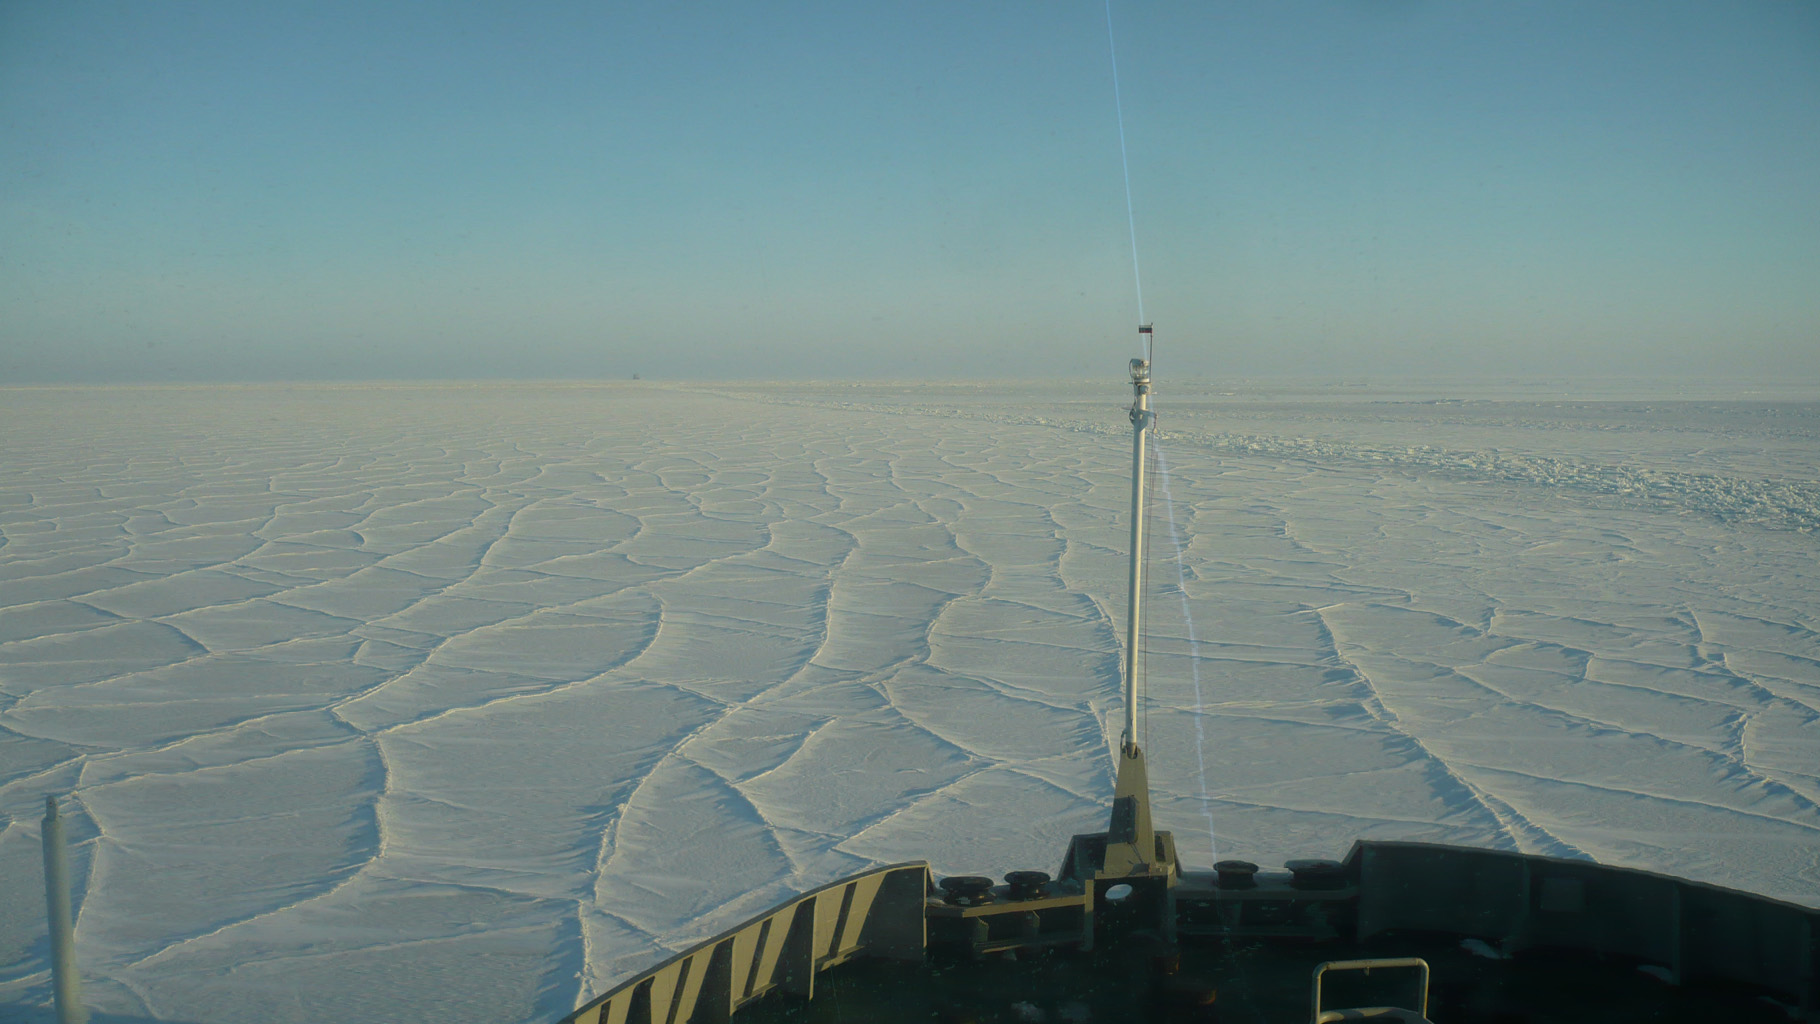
[458,702]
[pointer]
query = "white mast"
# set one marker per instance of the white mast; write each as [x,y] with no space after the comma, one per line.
[1131,860]
[1131,848]
[1140,431]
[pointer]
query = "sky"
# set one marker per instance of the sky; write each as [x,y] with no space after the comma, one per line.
[376,190]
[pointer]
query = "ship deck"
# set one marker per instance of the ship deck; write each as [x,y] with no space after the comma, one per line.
[1256,982]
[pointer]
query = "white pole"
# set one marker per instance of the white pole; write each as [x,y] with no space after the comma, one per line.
[64,981]
[1140,429]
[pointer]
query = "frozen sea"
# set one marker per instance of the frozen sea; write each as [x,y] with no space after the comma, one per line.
[457,702]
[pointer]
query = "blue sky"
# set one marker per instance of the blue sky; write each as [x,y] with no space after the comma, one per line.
[243,191]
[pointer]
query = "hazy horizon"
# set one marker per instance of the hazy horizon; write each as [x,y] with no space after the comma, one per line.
[1616,387]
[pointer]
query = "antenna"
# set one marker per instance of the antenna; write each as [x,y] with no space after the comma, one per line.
[1131,856]
[1140,436]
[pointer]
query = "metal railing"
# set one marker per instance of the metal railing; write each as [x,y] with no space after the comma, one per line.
[876,913]
[1318,1015]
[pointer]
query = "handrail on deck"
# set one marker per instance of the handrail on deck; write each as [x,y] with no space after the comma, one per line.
[1317,1015]
[877,913]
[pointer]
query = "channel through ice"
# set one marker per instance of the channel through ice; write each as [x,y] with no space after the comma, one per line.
[459,702]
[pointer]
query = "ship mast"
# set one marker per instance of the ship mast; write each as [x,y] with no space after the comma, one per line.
[1140,435]
[1130,851]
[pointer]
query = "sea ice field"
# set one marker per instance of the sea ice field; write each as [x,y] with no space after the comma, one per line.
[458,702]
